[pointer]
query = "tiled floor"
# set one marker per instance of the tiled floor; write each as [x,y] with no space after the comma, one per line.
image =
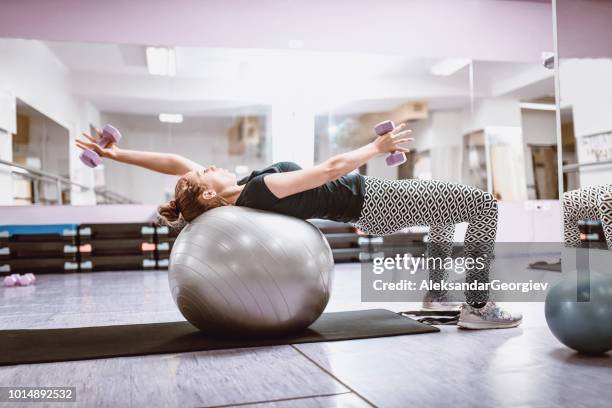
[524,367]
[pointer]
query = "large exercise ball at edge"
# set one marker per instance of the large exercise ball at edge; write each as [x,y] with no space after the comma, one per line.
[240,271]
[583,326]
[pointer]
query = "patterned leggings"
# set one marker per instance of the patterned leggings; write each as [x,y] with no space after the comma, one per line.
[391,205]
[587,203]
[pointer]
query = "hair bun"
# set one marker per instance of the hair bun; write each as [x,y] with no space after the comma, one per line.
[169,212]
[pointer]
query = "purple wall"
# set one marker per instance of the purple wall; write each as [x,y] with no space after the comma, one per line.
[584,28]
[481,29]
[78,214]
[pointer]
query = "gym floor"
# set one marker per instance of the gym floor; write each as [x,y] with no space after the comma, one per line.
[525,366]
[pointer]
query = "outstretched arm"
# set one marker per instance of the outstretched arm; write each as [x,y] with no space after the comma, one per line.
[165,163]
[286,184]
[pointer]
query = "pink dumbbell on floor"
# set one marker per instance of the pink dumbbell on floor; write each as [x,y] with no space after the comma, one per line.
[110,134]
[19,280]
[26,280]
[395,158]
[9,281]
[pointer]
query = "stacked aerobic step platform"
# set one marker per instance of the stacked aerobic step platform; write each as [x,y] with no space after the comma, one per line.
[58,248]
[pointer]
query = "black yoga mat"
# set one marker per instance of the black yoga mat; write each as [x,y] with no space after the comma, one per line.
[83,343]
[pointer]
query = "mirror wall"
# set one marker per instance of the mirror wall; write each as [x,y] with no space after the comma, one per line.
[480,101]
[486,123]
[585,83]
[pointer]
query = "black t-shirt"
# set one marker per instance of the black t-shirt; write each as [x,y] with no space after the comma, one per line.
[338,200]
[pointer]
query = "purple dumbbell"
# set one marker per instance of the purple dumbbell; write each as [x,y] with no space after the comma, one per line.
[110,134]
[10,281]
[24,280]
[395,158]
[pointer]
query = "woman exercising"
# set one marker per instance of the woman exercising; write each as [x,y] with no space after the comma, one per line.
[332,190]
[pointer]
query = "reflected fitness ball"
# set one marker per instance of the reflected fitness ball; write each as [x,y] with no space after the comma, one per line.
[579,313]
[240,271]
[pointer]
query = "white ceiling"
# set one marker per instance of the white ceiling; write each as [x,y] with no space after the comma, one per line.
[224,62]
[223,81]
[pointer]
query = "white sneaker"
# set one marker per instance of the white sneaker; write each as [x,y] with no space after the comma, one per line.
[490,316]
[440,303]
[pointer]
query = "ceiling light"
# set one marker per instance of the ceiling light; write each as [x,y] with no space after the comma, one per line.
[538,106]
[161,61]
[449,66]
[170,117]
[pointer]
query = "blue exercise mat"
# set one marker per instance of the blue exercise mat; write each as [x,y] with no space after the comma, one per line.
[67,230]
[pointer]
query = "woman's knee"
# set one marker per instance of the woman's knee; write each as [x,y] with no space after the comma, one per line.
[489,202]
[484,211]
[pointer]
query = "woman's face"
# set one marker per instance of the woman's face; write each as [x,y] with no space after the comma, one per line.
[213,178]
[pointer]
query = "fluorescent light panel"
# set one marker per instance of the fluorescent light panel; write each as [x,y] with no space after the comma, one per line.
[170,117]
[161,61]
[538,106]
[449,66]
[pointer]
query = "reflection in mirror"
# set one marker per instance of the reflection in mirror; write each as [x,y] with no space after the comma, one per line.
[487,124]
[585,81]
[185,101]
[43,144]
[479,122]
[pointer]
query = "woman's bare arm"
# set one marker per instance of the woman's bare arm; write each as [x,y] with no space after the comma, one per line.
[166,163]
[286,184]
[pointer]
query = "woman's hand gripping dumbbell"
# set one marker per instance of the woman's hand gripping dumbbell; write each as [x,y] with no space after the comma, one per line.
[389,140]
[103,145]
